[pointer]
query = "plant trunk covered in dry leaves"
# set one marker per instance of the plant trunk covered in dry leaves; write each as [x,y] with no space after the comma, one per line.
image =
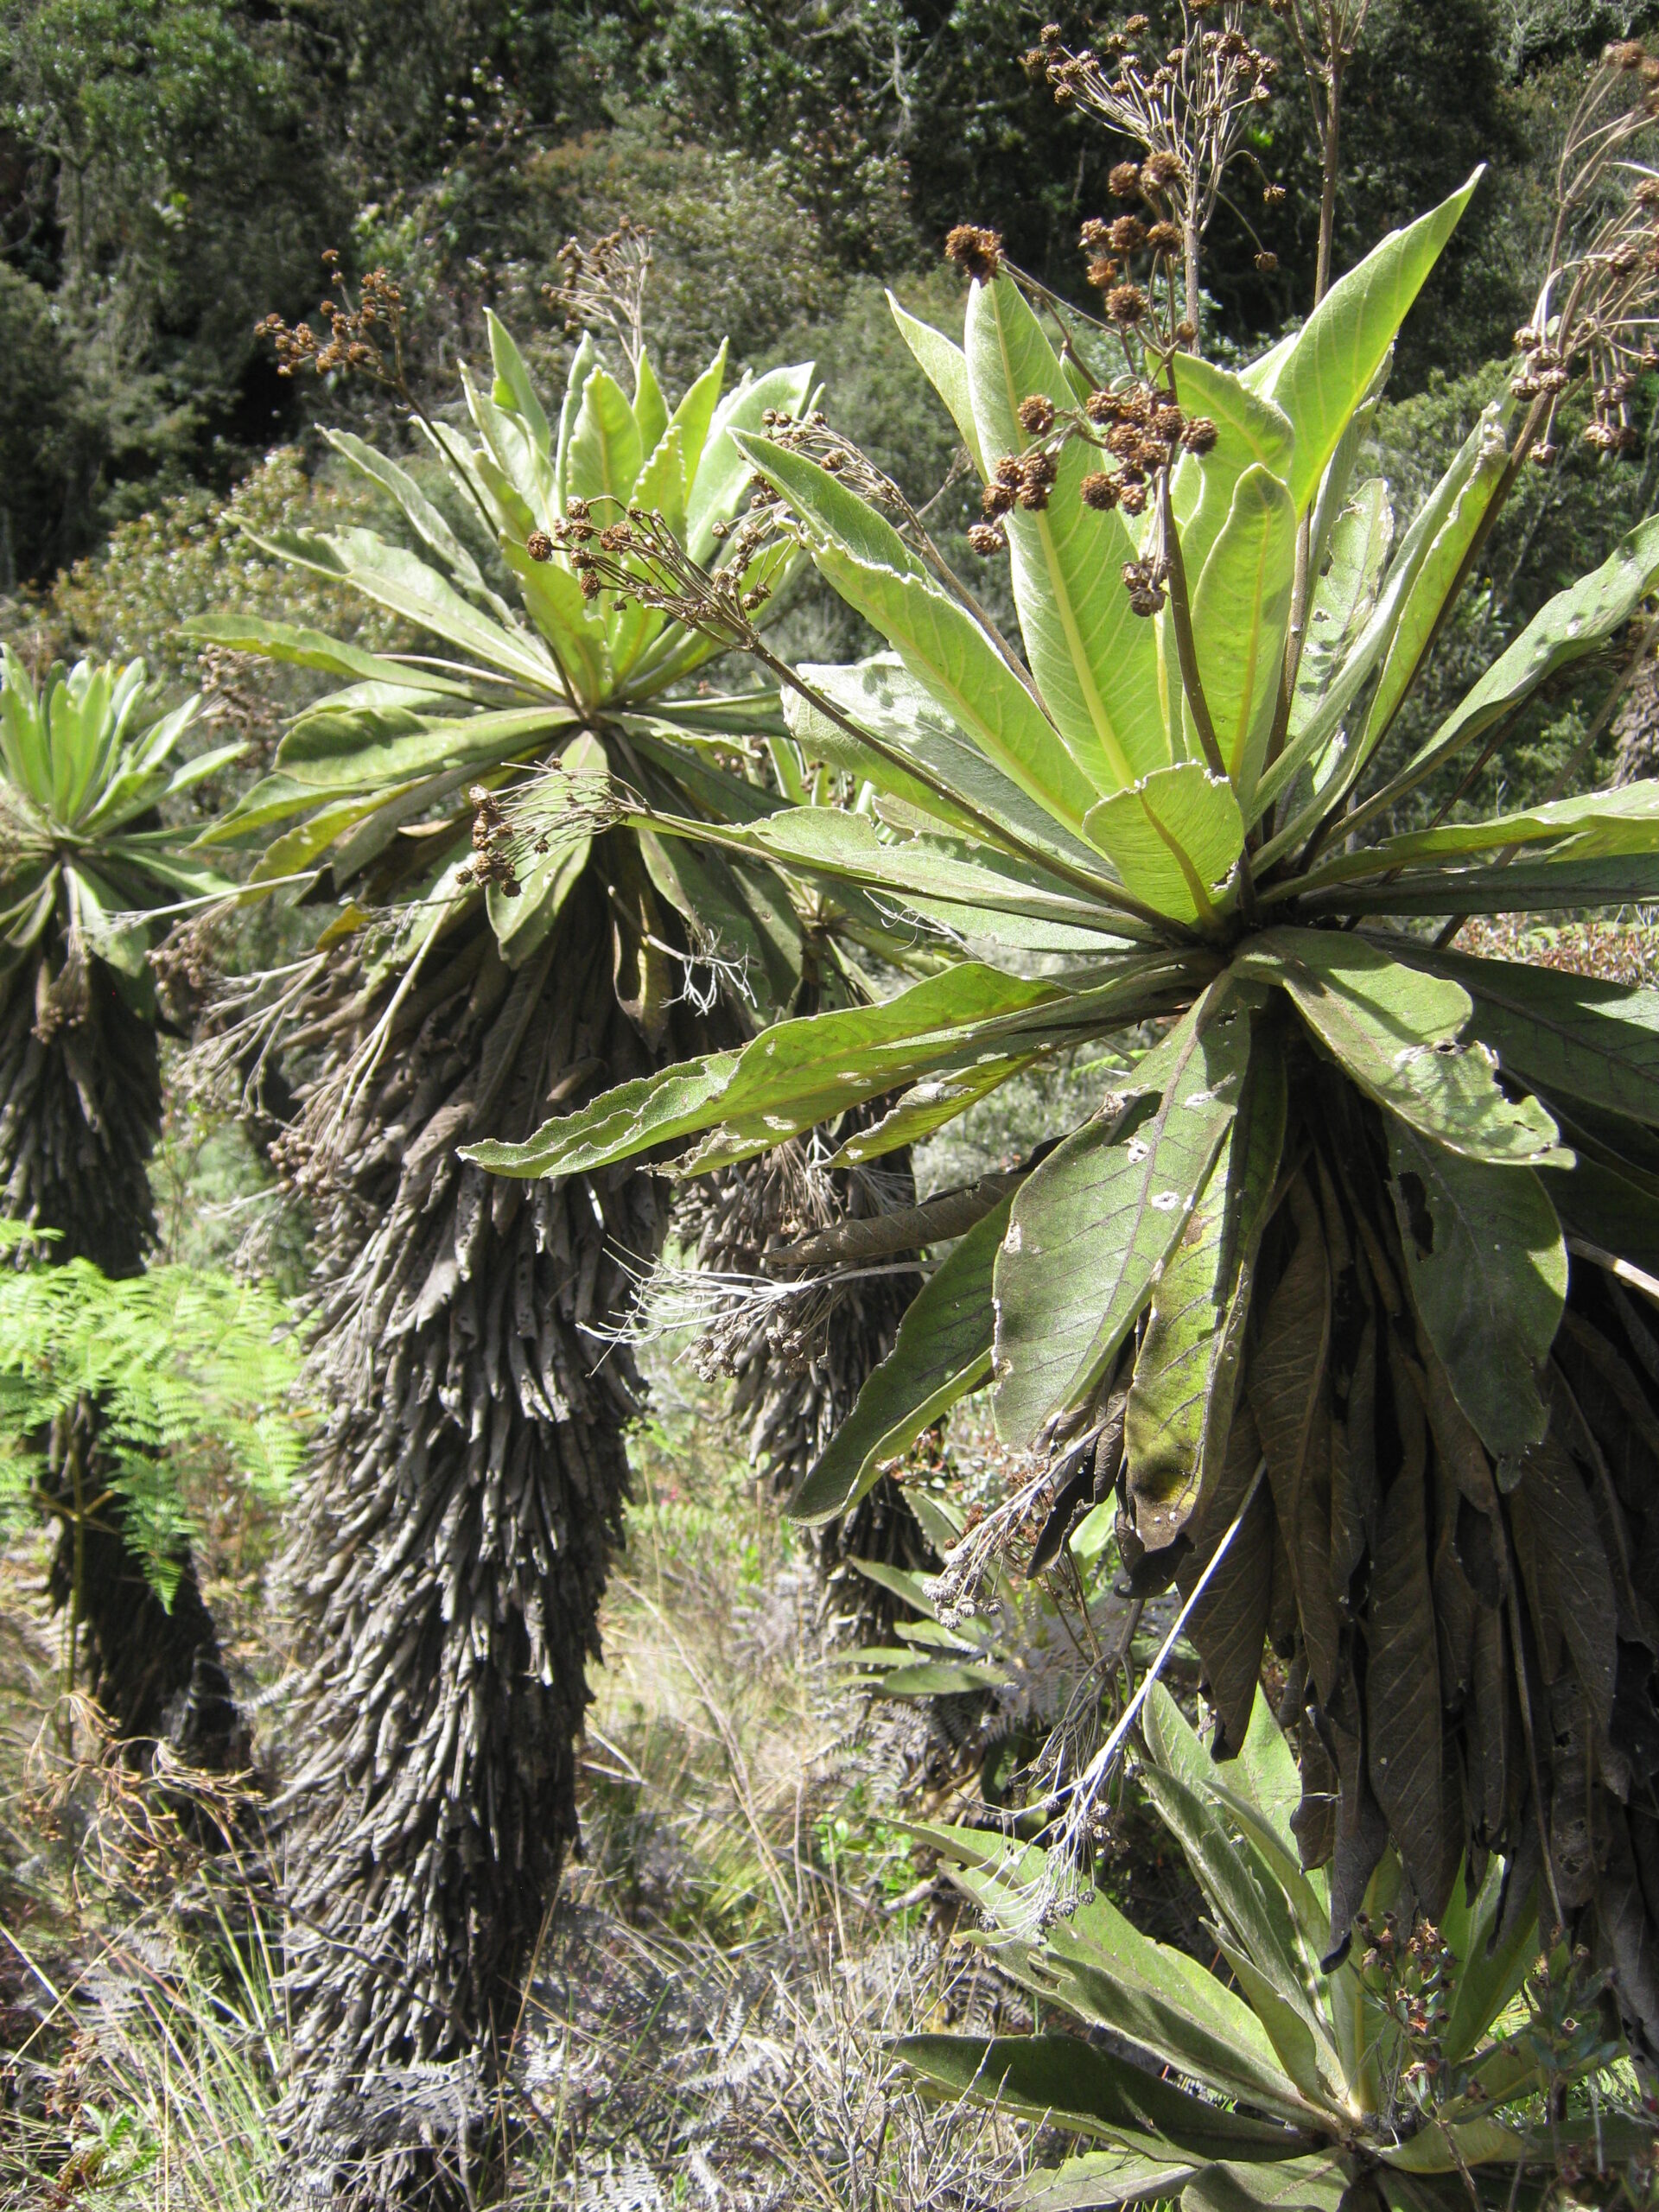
[82,1093]
[1471,1642]
[798,1365]
[452,1541]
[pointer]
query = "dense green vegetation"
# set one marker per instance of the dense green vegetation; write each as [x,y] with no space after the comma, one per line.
[890,757]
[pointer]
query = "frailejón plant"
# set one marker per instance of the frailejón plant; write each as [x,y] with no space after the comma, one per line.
[457,1514]
[88,762]
[1374,1217]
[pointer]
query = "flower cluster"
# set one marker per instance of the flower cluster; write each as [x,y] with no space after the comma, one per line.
[491,860]
[364,340]
[604,284]
[1140,431]
[1597,310]
[1188,105]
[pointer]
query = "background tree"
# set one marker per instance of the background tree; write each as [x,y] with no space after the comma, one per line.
[86,768]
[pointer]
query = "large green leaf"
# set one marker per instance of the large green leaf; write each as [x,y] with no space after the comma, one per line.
[1424,607]
[1081,2085]
[832,512]
[1319,741]
[426,520]
[1575,623]
[1241,608]
[1103,2178]
[1096,1221]
[881,697]
[1181,1405]
[605,456]
[395,579]
[951,656]
[821,841]
[1576,1034]
[1174,838]
[815,1067]
[1324,372]
[1095,660]
[944,365]
[930,1104]
[1344,595]
[1396,1031]
[1488,1274]
[716,483]
[1592,826]
[695,411]
[285,641]
[942,1350]
[1523,887]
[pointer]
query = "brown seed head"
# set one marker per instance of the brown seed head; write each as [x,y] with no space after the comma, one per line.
[1165,238]
[1167,421]
[1161,170]
[1126,304]
[977,252]
[1126,234]
[987,538]
[995,499]
[1124,180]
[1036,413]
[1105,272]
[1037,473]
[1200,434]
[1624,54]
[1094,234]
[1098,490]
[1273,195]
[1137,26]
[1134,503]
[1267,262]
[1100,407]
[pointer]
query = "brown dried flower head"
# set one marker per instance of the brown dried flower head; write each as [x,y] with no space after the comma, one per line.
[1161,169]
[1126,304]
[1098,490]
[1200,434]
[977,252]
[1104,271]
[987,538]
[1124,180]
[539,545]
[1165,238]
[1036,414]
[1126,234]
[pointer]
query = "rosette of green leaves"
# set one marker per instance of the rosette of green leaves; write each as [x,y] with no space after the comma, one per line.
[510,667]
[1410,2069]
[1327,1221]
[87,762]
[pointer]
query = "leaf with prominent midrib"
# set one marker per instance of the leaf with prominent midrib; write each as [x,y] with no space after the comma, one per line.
[944,365]
[1396,1030]
[1174,837]
[951,656]
[1574,1034]
[1487,1270]
[1095,1223]
[1079,2085]
[1241,607]
[815,1066]
[1094,658]
[1570,626]
[1180,1405]
[1344,595]
[942,1352]
[1325,370]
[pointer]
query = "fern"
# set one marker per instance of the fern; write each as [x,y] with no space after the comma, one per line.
[192,1373]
